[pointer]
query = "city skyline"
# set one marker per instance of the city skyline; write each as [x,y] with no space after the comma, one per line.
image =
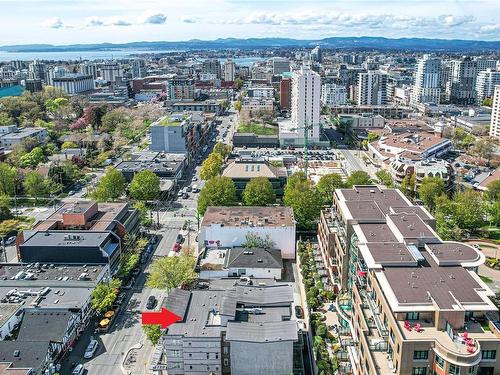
[90,21]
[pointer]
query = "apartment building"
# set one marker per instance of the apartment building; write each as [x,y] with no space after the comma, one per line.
[241,330]
[461,85]
[333,94]
[280,65]
[229,70]
[413,303]
[427,81]
[74,83]
[372,88]
[485,84]
[495,114]
[180,89]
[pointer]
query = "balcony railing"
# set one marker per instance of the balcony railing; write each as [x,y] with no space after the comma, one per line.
[368,299]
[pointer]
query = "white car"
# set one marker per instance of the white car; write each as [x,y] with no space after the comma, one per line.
[10,240]
[90,351]
[78,370]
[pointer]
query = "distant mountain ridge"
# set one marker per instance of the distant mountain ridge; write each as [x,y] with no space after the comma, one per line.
[414,44]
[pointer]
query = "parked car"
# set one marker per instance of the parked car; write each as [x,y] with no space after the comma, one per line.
[91,349]
[150,305]
[299,312]
[78,370]
[10,240]
[185,196]
[179,239]
[177,247]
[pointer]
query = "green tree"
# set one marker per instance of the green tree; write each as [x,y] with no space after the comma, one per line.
[358,178]
[254,240]
[104,295]
[68,144]
[145,186]
[5,213]
[488,102]
[372,137]
[35,186]
[238,82]
[237,105]
[7,179]
[144,218]
[385,178]
[493,192]
[218,191]
[5,119]
[408,185]
[304,199]
[115,118]
[429,190]
[153,333]
[470,210]
[223,149]
[170,272]
[484,148]
[110,187]
[33,158]
[327,185]
[259,192]
[212,166]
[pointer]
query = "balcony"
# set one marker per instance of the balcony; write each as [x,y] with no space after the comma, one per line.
[375,313]
[453,349]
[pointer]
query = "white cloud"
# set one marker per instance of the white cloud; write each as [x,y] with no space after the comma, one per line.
[152,17]
[53,23]
[187,19]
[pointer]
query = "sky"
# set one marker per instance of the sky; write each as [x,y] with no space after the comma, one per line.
[121,21]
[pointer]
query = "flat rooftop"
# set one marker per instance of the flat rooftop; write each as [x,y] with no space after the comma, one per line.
[238,216]
[377,232]
[446,286]
[384,198]
[52,272]
[452,253]
[411,226]
[247,169]
[54,238]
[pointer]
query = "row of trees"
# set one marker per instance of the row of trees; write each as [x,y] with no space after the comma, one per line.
[145,186]
[300,194]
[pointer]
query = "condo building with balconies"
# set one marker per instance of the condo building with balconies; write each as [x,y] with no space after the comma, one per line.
[413,303]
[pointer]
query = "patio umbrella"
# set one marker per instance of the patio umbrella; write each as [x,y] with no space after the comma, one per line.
[104,322]
[109,314]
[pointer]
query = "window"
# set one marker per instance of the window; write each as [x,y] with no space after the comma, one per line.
[454,370]
[418,371]
[412,315]
[226,362]
[392,335]
[471,371]
[488,354]
[420,354]
[439,361]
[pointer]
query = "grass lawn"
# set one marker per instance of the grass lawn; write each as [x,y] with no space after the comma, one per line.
[258,129]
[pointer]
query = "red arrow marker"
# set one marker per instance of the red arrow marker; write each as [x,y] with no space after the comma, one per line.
[164,318]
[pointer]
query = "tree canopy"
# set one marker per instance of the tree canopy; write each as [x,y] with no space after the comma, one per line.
[212,166]
[385,178]
[104,295]
[259,192]
[358,178]
[327,185]
[7,179]
[145,186]
[170,272]
[218,191]
[111,186]
[493,192]
[35,185]
[304,199]
[429,190]
[223,149]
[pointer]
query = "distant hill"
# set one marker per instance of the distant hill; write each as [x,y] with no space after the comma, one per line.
[413,44]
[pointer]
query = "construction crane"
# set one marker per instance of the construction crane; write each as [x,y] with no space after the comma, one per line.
[306,129]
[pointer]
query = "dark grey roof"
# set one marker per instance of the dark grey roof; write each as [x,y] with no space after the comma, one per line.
[255,296]
[262,332]
[44,325]
[254,258]
[54,238]
[177,301]
[31,353]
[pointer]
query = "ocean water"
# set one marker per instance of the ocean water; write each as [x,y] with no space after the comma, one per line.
[98,55]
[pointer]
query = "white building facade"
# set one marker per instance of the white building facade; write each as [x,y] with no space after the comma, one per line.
[229,70]
[485,84]
[372,88]
[333,94]
[495,115]
[74,83]
[427,81]
[306,103]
